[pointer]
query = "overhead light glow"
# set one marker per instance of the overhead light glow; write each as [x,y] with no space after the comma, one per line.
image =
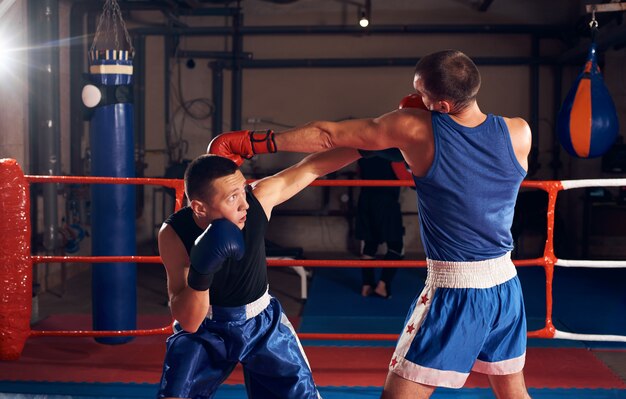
[6,55]
[3,53]
[363,21]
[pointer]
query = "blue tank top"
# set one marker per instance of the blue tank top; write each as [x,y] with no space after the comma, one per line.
[467,198]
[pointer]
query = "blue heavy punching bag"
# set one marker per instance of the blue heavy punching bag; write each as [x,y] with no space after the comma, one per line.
[587,124]
[109,94]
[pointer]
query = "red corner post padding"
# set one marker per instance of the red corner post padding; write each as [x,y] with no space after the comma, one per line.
[15,260]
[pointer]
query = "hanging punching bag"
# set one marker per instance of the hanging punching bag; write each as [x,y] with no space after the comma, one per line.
[109,97]
[112,205]
[587,124]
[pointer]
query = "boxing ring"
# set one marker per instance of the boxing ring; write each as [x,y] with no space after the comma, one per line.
[16,259]
[362,366]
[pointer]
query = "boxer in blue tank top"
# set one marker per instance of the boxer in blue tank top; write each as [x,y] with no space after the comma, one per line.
[214,255]
[467,166]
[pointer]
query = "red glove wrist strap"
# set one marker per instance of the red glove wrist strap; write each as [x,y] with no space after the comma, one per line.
[262,141]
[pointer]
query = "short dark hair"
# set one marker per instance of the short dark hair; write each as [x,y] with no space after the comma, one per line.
[201,173]
[449,75]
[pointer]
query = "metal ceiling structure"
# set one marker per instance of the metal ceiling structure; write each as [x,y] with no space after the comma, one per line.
[236,60]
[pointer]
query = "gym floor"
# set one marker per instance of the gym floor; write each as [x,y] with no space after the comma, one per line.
[152,300]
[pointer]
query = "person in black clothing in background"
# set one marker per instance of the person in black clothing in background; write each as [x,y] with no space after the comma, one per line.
[379,220]
[214,255]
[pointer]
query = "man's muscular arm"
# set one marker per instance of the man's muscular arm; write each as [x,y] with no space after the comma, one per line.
[386,131]
[276,189]
[323,135]
[374,134]
[312,137]
[188,306]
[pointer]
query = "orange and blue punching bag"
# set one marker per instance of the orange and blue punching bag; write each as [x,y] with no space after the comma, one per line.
[587,124]
[111,136]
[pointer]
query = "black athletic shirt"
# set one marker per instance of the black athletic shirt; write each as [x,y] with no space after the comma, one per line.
[237,283]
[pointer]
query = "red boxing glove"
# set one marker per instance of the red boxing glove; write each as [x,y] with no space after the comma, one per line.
[401,171]
[242,144]
[412,101]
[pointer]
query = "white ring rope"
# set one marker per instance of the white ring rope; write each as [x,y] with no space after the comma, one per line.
[569,184]
[596,264]
[589,337]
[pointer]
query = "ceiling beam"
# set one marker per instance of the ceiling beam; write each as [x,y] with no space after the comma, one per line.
[609,7]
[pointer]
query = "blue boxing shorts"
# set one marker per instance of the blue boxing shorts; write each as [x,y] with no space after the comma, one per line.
[470,316]
[257,335]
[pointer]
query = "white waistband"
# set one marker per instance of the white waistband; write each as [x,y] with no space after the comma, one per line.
[479,274]
[241,312]
[253,309]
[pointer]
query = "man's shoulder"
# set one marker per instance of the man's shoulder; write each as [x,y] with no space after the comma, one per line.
[410,124]
[411,115]
[183,213]
[515,122]
[517,126]
[167,232]
[182,224]
[176,222]
[169,241]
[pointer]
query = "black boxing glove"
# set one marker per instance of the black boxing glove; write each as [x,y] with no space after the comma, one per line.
[221,240]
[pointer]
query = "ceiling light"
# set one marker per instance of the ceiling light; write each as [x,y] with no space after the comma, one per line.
[363,20]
